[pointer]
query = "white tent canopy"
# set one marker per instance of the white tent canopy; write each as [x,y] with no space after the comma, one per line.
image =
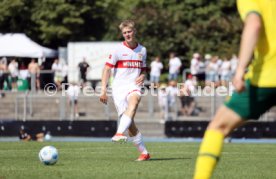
[19,45]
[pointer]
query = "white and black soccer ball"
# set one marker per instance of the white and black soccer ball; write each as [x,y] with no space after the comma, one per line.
[48,155]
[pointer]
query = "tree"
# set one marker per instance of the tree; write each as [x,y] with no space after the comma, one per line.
[184,27]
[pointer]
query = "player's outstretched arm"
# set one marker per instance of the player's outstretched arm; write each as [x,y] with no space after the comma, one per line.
[105,78]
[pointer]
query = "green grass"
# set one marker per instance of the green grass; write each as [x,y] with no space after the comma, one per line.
[107,160]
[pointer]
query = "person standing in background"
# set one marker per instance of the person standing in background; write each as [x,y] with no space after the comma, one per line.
[156,67]
[34,72]
[58,77]
[83,67]
[13,70]
[174,67]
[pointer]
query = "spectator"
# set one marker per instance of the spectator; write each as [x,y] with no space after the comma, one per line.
[186,96]
[174,66]
[212,72]
[163,102]
[28,136]
[73,93]
[83,67]
[198,67]
[156,67]
[5,74]
[172,92]
[57,68]
[201,70]
[34,71]
[195,64]
[207,59]
[225,70]
[13,70]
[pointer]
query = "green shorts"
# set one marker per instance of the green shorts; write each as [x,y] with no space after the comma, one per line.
[253,102]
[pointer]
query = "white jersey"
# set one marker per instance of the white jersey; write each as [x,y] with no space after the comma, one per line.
[127,63]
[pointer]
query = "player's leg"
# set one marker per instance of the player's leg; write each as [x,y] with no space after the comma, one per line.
[249,104]
[137,138]
[127,116]
[124,123]
[210,150]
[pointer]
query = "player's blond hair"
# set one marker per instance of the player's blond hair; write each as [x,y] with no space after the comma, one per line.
[127,23]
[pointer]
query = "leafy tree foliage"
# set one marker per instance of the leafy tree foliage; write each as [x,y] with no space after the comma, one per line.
[163,26]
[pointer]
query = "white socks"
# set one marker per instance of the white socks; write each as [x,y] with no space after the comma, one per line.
[138,142]
[124,124]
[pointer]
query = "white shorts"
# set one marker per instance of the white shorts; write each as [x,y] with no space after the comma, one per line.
[121,94]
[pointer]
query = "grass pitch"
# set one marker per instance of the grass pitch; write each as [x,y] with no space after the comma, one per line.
[108,160]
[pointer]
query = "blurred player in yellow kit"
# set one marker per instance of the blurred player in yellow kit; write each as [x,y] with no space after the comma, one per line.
[255,90]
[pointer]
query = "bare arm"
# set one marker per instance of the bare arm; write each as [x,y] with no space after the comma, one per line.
[141,78]
[250,35]
[105,78]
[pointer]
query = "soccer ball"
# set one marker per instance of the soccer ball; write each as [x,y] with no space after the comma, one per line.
[48,155]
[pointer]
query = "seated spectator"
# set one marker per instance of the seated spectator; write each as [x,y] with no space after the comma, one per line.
[25,136]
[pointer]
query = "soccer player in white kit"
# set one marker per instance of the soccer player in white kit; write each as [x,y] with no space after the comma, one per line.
[128,61]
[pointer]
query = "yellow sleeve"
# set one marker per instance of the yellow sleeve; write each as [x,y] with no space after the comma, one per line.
[246,7]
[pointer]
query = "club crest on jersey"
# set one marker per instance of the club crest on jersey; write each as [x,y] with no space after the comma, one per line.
[140,56]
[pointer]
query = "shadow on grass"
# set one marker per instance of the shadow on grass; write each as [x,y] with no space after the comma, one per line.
[164,159]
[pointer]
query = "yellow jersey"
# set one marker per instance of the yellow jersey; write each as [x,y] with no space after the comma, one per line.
[262,70]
